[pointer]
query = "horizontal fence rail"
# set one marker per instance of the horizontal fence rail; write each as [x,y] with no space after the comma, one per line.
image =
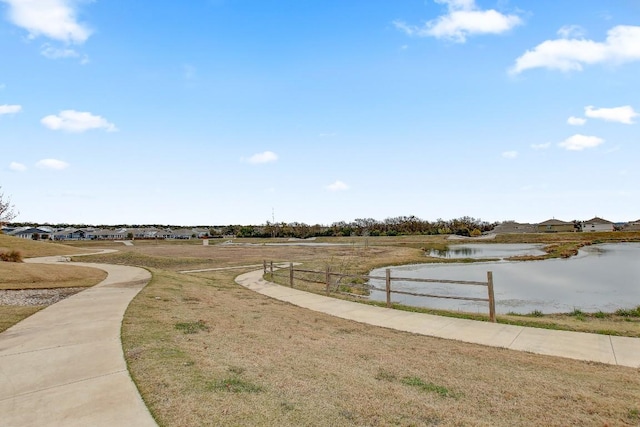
[336,285]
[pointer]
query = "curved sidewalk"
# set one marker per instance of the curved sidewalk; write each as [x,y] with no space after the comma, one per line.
[65,366]
[622,351]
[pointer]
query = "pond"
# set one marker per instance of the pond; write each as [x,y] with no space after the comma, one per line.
[601,277]
[488,250]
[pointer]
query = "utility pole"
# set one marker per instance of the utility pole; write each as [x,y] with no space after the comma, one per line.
[273,221]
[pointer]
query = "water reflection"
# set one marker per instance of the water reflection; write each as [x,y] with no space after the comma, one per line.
[487,250]
[602,277]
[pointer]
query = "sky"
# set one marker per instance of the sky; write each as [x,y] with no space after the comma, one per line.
[218,112]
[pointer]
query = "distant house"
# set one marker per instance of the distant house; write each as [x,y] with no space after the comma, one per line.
[555,226]
[71,234]
[182,233]
[36,233]
[120,234]
[632,226]
[597,224]
[507,227]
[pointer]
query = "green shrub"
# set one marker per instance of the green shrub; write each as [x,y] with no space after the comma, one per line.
[629,312]
[578,314]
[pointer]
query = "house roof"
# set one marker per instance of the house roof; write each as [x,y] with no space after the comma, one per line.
[597,220]
[30,230]
[555,222]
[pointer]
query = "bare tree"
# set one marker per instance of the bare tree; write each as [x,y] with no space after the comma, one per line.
[7,210]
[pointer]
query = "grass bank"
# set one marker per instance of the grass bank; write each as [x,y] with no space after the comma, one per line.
[14,276]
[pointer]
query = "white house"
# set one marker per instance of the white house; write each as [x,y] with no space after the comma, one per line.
[597,224]
[39,233]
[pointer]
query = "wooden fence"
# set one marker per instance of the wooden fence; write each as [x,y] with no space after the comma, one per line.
[338,287]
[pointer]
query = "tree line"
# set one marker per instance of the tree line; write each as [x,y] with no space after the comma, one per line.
[401,225]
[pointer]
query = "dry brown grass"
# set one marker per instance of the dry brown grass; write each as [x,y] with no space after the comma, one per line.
[256,361]
[10,315]
[32,248]
[47,276]
[191,257]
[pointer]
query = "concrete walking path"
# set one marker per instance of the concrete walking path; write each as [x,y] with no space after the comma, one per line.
[64,365]
[622,351]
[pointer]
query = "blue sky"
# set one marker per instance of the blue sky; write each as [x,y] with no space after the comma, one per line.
[226,111]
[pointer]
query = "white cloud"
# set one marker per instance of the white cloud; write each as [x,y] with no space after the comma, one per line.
[10,109]
[52,164]
[510,154]
[55,19]
[266,157]
[576,121]
[571,31]
[337,186]
[541,146]
[17,167]
[463,19]
[624,114]
[76,122]
[52,52]
[622,45]
[579,142]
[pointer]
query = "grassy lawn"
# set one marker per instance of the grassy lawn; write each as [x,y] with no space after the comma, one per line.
[204,351]
[47,276]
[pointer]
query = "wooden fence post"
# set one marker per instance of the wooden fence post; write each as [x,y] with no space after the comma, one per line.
[271,270]
[388,287]
[492,300]
[264,266]
[291,274]
[327,280]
